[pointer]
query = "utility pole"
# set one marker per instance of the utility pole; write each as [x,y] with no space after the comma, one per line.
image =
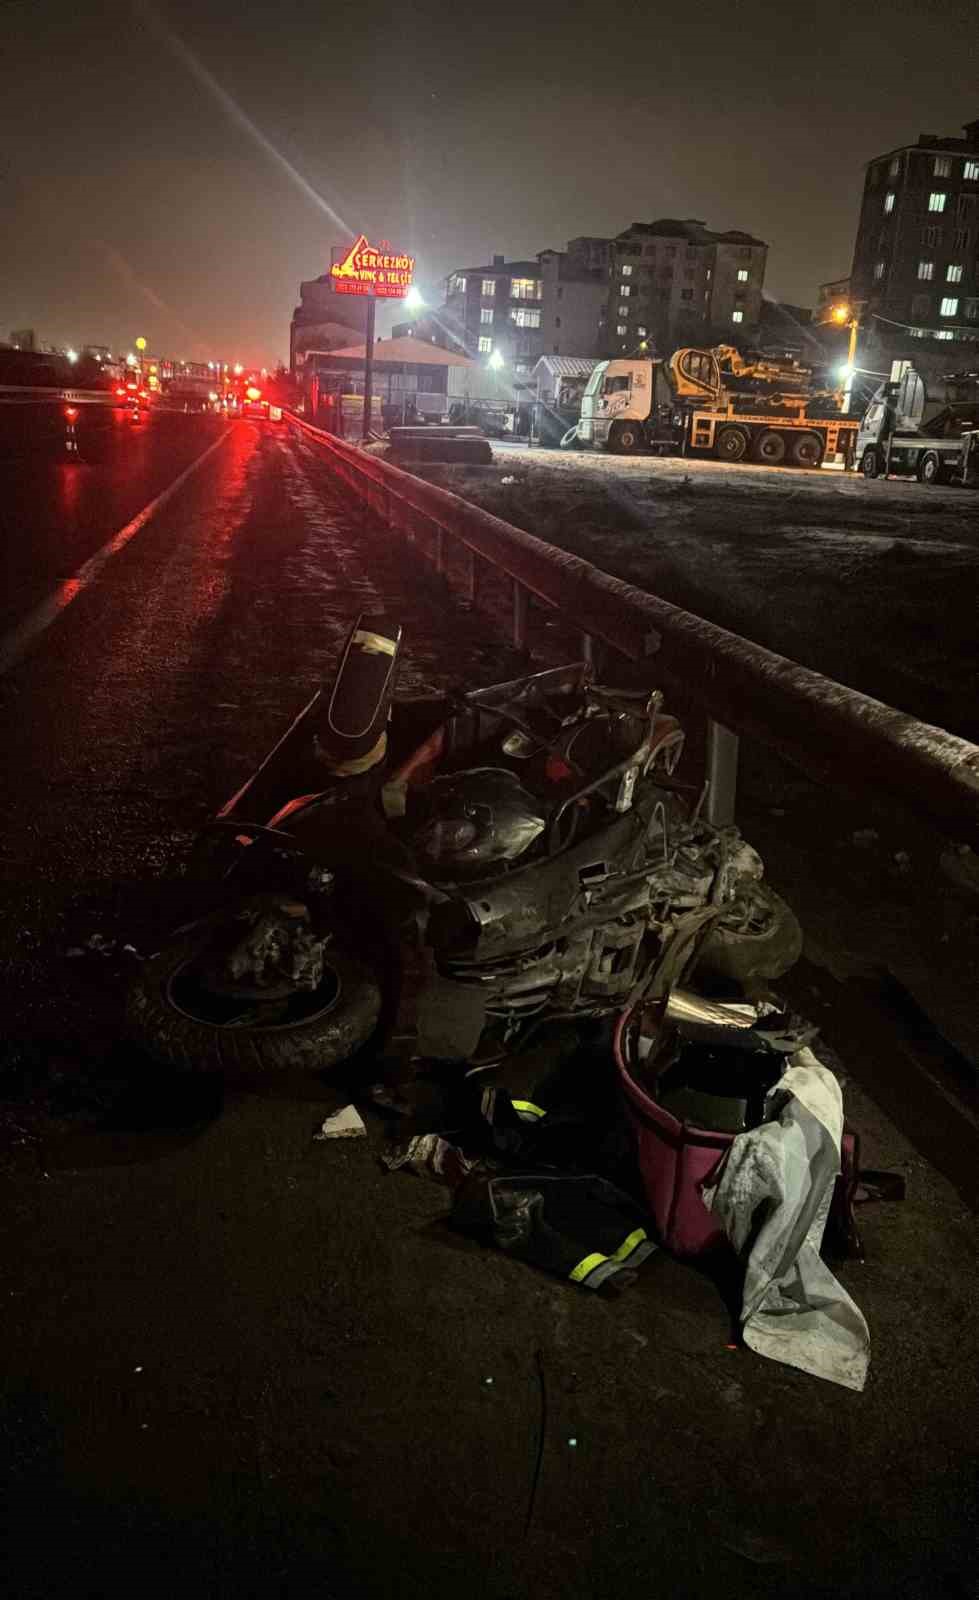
[368,369]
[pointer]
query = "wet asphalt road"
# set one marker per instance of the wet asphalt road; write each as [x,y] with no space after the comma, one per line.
[236,1362]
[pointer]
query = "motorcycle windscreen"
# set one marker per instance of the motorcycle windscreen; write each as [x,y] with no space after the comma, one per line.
[351,738]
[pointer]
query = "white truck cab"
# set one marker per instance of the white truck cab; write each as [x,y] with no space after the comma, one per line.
[618,392]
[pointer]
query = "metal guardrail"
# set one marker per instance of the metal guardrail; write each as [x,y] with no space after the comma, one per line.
[832,733]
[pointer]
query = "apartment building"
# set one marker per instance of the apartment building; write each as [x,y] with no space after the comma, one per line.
[915,274]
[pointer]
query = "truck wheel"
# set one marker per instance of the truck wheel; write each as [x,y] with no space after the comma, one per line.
[770,448]
[930,468]
[731,444]
[625,438]
[870,464]
[806,450]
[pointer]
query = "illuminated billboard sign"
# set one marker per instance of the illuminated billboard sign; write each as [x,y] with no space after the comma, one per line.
[375,270]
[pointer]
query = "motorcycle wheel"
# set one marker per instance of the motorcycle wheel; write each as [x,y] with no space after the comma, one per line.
[172,1016]
[765,949]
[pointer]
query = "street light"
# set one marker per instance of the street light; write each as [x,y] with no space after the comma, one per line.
[495,361]
[414,300]
[848,316]
[239,369]
[72,356]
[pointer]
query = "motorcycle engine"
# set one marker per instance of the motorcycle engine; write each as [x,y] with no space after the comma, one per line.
[476,820]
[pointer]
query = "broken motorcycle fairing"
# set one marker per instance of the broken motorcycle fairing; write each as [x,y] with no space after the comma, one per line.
[535,831]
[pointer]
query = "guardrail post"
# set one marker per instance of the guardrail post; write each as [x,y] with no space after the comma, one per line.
[722,774]
[520,598]
[472,578]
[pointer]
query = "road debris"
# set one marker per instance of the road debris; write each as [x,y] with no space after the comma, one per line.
[344,1124]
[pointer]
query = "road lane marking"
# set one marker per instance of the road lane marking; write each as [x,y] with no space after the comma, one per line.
[15,644]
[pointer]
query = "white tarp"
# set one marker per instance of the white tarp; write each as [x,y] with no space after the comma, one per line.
[772,1197]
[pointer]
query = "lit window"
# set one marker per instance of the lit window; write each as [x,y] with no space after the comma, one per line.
[950,306]
[524,289]
[926,271]
[879,269]
[954,273]
[943,333]
[621,329]
[486,314]
[485,344]
[626,271]
[737,316]
[971,172]
[624,311]
[489,288]
[625,289]
[889,200]
[742,274]
[523,317]
[943,167]
[642,332]
[936,200]
[457,284]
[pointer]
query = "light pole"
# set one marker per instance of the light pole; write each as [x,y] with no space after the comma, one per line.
[368,370]
[847,316]
[414,300]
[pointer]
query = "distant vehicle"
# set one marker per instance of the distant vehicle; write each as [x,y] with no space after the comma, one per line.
[904,435]
[715,403]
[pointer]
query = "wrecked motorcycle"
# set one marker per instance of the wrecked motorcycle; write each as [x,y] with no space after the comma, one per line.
[487,861]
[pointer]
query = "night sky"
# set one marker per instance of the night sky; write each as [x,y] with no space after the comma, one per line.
[136,200]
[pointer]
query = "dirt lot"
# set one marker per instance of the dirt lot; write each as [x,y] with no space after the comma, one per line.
[871,583]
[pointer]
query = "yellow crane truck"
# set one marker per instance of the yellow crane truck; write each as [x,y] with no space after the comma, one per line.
[716,403]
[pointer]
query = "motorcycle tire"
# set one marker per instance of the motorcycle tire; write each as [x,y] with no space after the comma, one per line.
[733,954]
[177,1039]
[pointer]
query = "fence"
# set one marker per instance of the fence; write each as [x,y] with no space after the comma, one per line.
[832,733]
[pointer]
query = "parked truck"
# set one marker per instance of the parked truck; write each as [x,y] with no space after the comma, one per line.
[716,403]
[905,434]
